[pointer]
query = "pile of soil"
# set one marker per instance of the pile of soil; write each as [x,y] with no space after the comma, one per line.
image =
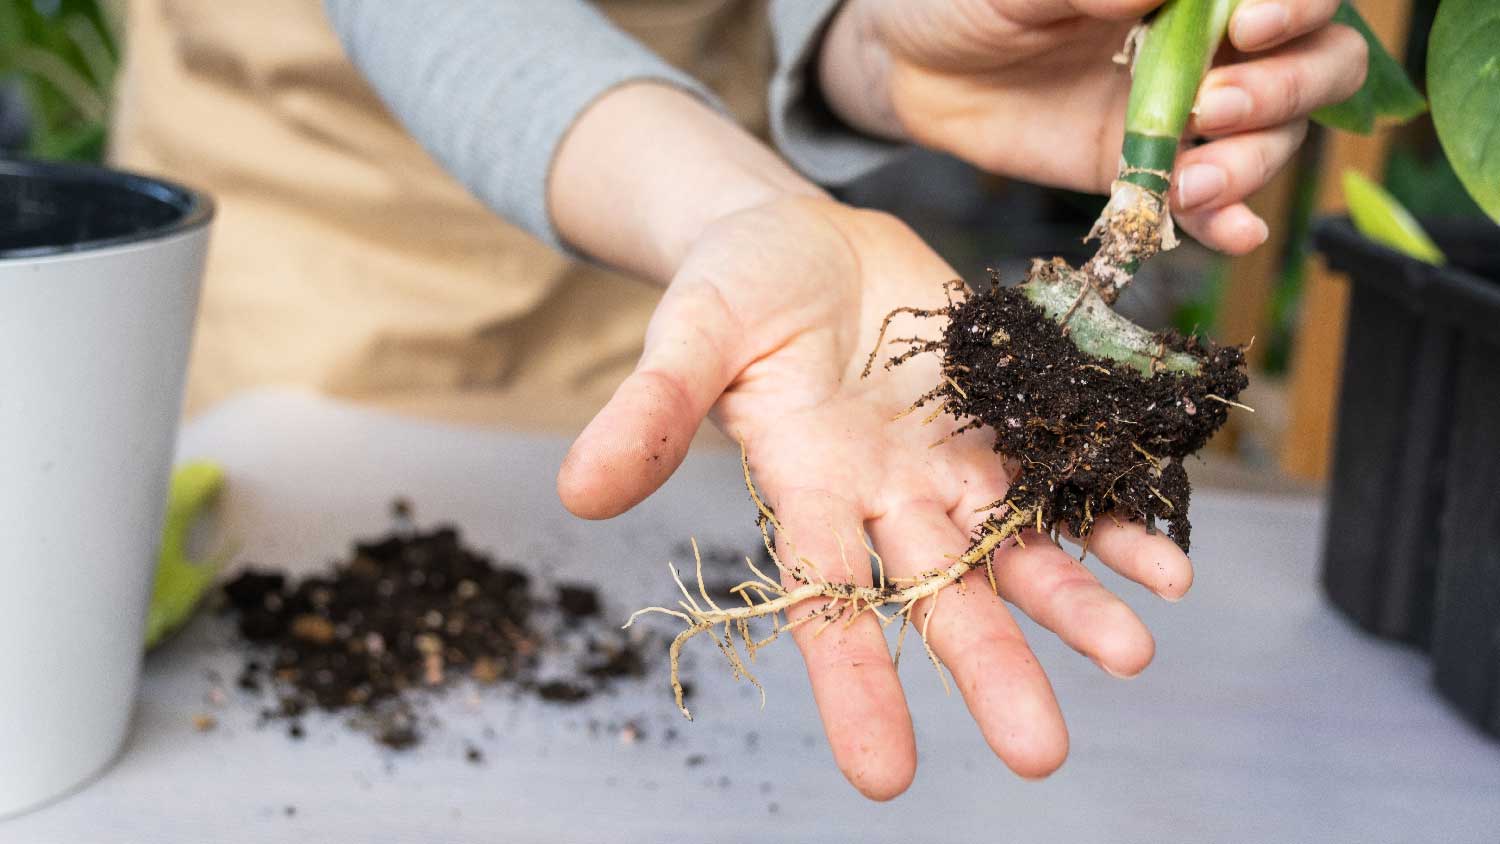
[410,614]
[1091,437]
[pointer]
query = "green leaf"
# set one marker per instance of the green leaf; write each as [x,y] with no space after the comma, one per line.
[1425,183]
[1387,93]
[79,143]
[65,56]
[12,25]
[1382,219]
[181,583]
[1463,76]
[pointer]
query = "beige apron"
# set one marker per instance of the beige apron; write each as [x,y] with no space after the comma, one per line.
[344,259]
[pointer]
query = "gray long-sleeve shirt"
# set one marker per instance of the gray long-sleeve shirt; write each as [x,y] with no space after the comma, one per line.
[490,87]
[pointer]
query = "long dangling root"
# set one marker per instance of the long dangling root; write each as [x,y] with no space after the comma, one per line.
[766,598]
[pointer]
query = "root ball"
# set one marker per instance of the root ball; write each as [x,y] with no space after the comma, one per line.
[1092,436]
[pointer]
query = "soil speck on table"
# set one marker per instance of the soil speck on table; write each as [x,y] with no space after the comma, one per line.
[407,615]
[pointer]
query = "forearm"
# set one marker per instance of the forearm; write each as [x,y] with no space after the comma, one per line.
[647,168]
[490,87]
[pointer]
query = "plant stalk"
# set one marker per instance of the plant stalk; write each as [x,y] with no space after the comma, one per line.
[1173,58]
[1096,329]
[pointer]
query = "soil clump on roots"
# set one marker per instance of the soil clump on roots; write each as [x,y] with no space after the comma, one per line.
[1091,437]
[1095,414]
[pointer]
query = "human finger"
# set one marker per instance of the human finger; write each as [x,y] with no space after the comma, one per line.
[1284,86]
[975,637]
[1061,594]
[1151,559]
[854,681]
[1230,170]
[1263,24]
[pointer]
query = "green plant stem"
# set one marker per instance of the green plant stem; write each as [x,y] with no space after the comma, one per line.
[1174,56]
[1097,330]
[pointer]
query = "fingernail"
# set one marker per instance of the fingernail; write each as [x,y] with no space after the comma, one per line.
[1220,108]
[1115,674]
[1199,184]
[1261,231]
[1171,599]
[1259,25]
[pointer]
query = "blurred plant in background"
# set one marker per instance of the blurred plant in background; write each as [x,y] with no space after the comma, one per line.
[57,68]
[1418,175]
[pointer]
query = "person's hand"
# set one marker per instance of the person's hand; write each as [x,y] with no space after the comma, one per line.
[766,326]
[1028,89]
[774,296]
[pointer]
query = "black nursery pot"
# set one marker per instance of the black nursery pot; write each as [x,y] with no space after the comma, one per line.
[1412,550]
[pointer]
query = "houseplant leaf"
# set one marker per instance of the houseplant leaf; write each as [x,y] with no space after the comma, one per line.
[1381,218]
[1387,93]
[181,583]
[1463,78]
[64,56]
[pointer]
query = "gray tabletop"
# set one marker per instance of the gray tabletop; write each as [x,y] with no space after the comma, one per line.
[1266,717]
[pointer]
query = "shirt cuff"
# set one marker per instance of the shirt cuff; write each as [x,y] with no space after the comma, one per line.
[814,139]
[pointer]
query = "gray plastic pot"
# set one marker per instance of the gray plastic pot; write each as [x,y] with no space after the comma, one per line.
[99,279]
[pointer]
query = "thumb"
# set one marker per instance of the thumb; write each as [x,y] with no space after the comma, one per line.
[641,436]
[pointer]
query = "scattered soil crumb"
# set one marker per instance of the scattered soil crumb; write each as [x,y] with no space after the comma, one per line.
[578,601]
[401,508]
[561,691]
[405,616]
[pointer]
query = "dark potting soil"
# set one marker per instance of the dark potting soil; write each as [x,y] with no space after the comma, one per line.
[409,614]
[1091,437]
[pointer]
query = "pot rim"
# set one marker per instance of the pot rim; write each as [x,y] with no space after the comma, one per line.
[195,209]
[1454,294]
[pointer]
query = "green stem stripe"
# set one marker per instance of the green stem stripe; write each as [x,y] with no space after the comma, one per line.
[1174,57]
[1146,158]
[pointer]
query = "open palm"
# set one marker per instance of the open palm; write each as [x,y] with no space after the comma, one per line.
[766,328]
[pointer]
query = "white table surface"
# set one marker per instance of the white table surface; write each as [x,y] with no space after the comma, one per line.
[1265,718]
